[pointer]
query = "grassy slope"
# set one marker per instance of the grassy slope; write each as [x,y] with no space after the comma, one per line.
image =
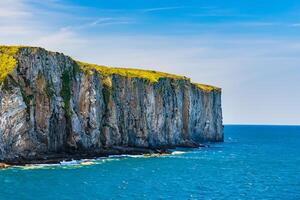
[8,63]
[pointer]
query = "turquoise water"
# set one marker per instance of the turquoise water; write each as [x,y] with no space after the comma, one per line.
[255,162]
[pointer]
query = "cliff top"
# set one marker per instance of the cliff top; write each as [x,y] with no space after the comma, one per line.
[8,64]
[152,76]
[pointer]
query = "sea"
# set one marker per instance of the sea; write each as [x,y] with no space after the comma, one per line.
[254,162]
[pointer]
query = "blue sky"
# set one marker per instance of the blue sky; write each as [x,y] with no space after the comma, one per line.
[250,48]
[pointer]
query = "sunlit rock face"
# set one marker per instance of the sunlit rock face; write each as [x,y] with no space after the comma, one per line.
[50,105]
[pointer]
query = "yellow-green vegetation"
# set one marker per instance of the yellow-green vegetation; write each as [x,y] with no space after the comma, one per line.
[7,60]
[152,76]
[207,88]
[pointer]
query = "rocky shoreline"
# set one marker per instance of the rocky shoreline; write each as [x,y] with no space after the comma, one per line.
[115,151]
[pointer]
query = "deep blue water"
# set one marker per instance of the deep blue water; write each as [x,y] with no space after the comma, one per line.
[255,162]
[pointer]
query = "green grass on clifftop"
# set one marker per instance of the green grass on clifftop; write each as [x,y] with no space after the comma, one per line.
[7,61]
[207,88]
[152,76]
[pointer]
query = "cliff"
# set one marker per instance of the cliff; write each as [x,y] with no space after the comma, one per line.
[53,106]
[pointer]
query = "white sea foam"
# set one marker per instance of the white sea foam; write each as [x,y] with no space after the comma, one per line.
[37,166]
[126,156]
[136,156]
[85,162]
[72,162]
[177,152]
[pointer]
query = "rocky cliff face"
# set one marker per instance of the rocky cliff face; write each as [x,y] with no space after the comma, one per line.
[51,104]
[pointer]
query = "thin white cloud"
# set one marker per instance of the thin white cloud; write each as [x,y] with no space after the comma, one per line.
[57,5]
[53,40]
[11,30]
[218,15]
[15,13]
[161,9]
[13,9]
[15,20]
[110,21]
[245,24]
[295,25]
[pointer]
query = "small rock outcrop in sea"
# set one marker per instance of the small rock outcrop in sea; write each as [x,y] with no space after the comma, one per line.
[53,105]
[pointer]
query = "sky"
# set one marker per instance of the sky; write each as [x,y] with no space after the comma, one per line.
[249,48]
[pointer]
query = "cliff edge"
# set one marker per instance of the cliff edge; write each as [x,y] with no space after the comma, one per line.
[54,106]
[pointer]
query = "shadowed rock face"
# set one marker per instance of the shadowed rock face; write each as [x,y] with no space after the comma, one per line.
[48,105]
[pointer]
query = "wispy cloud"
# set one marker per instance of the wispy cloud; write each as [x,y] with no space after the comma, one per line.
[161,9]
[295,25]
[62,37]
[110,21]
[13,13]
[219,15]
[13,9]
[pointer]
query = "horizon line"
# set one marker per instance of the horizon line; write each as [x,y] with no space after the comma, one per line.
[250,124]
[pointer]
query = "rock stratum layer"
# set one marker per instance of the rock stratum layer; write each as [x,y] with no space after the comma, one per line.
[52,105]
